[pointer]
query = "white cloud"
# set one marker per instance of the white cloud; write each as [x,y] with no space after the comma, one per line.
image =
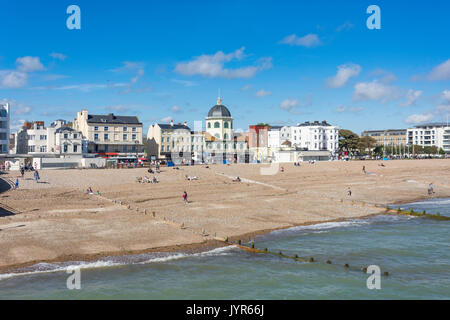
[185,83]
[29,64]
[341,109]
[309,41]
[374,91]
[58,56]
[386,76]
[176,109]
[263,93]
[245,88]
[411,97]
[212,66]
[346,26]
[166,119]
[419,118]
[289,104]
[441,72]
[12,79]
[344,73]
[446,95]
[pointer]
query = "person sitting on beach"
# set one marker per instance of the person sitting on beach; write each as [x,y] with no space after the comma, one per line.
[282,169]
[237,179]
[89,191]
[155,180]
[349,192]
[150,170]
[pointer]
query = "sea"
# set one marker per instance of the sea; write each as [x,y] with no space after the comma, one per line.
[413,251]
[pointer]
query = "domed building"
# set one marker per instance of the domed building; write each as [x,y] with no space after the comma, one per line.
[219,132]
[219,122]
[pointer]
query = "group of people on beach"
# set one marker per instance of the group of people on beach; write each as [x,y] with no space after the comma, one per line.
[22,170]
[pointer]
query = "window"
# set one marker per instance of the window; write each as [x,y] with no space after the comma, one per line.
[125,149]
[106,128]
[43,137]
[134,129]
[209,124]
[225,125]
[75,135]
[125,128]
[225,137]
[75,148]
[168,148]
[106,137]
[133,137]
[162,148]
[125,137]
[95,128]
[43,149]
[65,148]
[30,148]
[216,125]
[65,135]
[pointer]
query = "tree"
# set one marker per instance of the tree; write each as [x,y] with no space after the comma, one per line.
[441,151]
[348,141]
[366,143]
[430,150]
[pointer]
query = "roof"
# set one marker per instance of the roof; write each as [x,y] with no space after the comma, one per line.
[315,123]
[113,119]
[64,129]
[165,126]
[432,124]
[275,128]
[219,111]
[286,143]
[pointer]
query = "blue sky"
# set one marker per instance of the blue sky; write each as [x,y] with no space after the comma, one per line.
[280,62]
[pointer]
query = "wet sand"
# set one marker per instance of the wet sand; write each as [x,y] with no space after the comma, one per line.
[55,221]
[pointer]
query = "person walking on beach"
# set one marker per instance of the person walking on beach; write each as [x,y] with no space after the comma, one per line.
[349,192]
[185,197]
[36,176]
[22,171]
[16,185]
[364,169]
[430,189]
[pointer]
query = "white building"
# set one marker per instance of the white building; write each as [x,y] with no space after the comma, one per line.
[4,127]
[430,134]
[311,136]
[58,139]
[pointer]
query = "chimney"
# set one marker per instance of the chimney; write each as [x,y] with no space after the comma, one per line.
[171,123]
[185,123]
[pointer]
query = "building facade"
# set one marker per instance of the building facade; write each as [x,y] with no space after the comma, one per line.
[430,134]
[57,139]
[168,141]
[4,127]
[389,137]
[110,133]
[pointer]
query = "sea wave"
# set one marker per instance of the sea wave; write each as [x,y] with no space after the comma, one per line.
[41,268]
